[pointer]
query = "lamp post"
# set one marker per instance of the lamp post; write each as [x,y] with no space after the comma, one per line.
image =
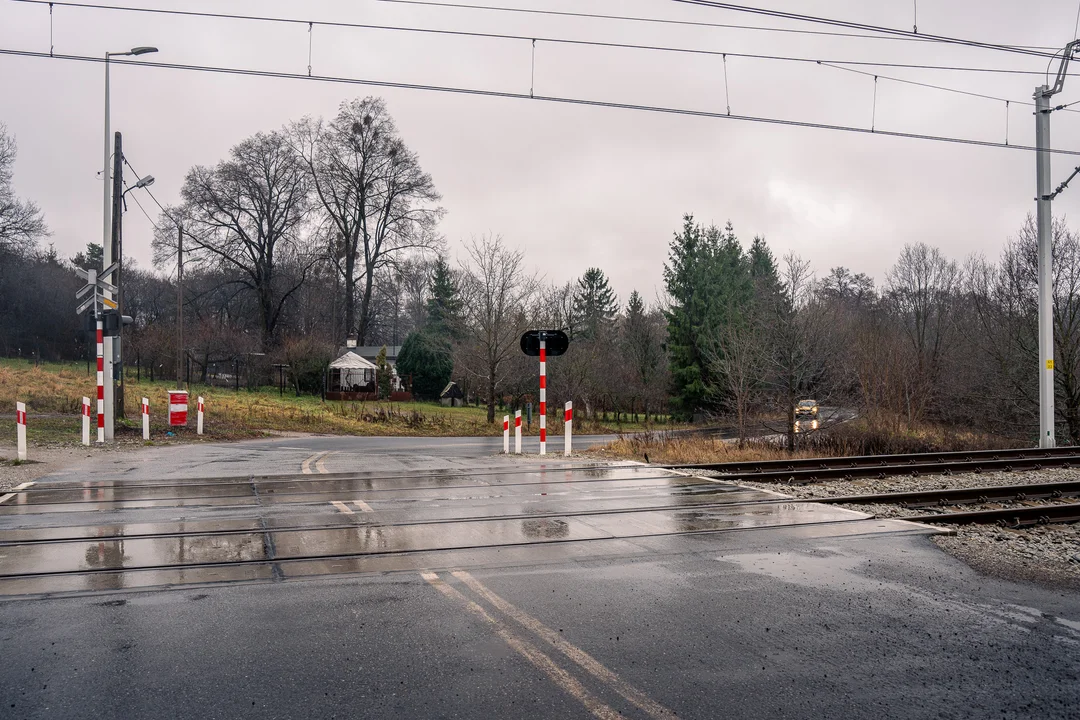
[106,239]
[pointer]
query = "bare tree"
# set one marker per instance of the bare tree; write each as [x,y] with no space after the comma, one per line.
[497,293]
[245,216]
[799,350]
[21,222]
[377,202]
[737,355]
[922,290]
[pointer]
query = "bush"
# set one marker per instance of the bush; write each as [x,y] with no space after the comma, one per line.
[428,361]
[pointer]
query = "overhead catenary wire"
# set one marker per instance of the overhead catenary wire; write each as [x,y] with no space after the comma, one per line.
[836,64]
[852,25]
[667,21]
[529,38]
[562,100]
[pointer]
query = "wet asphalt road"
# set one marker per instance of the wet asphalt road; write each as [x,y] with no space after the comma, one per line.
[389,578]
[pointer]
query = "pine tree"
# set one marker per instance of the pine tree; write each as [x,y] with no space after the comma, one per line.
[595,304]
[444,307]
[708,279]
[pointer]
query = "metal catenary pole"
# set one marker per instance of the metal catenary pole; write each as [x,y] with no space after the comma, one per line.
[1044,220]
[1046,306]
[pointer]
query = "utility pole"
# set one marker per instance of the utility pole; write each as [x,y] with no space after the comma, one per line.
[180,306]
[1044,219]
[107,258]
[118,255]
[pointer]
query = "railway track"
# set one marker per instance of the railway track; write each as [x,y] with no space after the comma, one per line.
[810,470]
[1038,513]
[1041,501]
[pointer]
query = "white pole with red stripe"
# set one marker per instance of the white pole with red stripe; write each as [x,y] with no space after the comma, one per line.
[543,395]
[20,429]
[199,419]
[506,434]
[100,381]
[568,435]
[146,418]
[517,432]
[86,421]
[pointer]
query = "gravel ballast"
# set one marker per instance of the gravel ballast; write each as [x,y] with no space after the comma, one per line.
[1045,554]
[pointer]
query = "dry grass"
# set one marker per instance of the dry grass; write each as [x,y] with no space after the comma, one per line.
[853,438]
[53,394]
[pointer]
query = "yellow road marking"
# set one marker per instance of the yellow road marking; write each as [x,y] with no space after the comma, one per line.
[319,463]
[362,505]
[529,651]
[8,496]
[342,507]
[305,467]
[579,656]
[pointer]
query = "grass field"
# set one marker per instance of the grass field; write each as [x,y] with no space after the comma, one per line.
[856,437]
[53,395]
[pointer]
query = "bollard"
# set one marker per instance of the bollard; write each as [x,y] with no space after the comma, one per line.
[506,434]
[517,432]
[20,429]
[568,437]
[146,418]
[86,421]
[200,417]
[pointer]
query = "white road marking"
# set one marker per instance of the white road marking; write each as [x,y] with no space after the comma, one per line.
[560,677]
[579,656]
[17,488]
[362,505]
[342,507]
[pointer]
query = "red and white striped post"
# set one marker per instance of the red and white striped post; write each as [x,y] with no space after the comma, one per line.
[506,434]
[86,421]
[178,400]
[543,394]
[517,432]
[568,435]
[199,417]
[20,429]
[100,381]
[146,418]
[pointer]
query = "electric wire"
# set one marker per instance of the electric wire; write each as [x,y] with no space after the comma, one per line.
[504,94]
[533,40]
[523,38]
[851,25]
[666,21]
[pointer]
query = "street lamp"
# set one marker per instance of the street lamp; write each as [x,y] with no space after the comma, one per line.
[106,240]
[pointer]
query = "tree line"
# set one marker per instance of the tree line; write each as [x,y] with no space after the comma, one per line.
[329,228]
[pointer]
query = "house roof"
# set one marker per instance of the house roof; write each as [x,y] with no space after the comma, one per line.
[451,391]
[352,361]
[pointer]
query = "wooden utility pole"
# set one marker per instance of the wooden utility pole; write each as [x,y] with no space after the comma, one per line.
[118,258]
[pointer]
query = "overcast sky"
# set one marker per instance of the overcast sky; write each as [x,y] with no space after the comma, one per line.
[573,186]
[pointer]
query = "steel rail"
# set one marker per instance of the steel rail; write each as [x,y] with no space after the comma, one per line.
[959,496]
[856,461]
[1007,517]
[836,471]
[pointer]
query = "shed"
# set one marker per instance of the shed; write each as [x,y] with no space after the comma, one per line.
[452,395]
